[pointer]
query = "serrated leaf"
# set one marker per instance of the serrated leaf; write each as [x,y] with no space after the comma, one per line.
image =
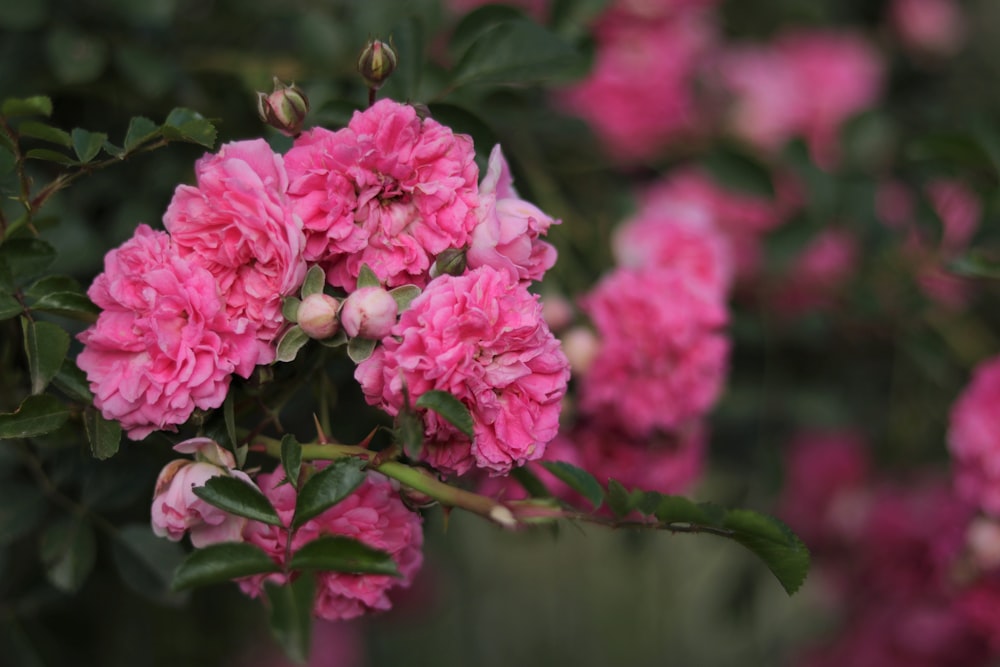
[577,479]
[45,132]
[104,435]
[404,295]
[327,488]
[449,408]
[39,105]
[222,562]
[336,553]
[113,150]
[46,345]
[410,432]
[621,500]
[359,349]
[291,615]
[73,382]
[49,284]
[677,509]
[290,308]
[314,282]
[49,156]
[291,459]
[26,258]
[146,563]
[87,144]
[367,277]
[291,342]
[140,130]
[774,543]
[68,551]
[37,415]
[238,497]
[187,125]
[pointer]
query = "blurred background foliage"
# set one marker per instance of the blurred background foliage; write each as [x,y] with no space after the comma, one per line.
[583,597]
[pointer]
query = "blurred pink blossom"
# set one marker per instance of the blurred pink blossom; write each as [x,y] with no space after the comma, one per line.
[237,223]
[163,344]
[935,27]
[481,338]
[819,272]
[390,190]
[373,514]
[974,438]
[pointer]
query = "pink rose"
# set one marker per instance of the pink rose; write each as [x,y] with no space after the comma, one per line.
[974,438]
[177,510]
[369,312]
[482,339]
[663,358]
[509,230]
[389,190]
[373,514]
[317,316]
[163,344]
[238,224]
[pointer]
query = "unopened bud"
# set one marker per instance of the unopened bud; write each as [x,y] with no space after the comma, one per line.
[369,312]
[451,262]
[318,316]
[376,62]
[284,109]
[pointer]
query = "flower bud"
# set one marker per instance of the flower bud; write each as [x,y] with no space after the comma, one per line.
[284,109]
[376,63]
[369,312]
[451,262]
[318,316]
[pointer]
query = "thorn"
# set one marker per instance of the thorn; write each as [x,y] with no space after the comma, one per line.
[321,437]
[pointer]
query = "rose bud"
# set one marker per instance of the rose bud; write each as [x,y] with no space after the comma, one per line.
[369,312]
[318,316]
[376,62]
[284,109]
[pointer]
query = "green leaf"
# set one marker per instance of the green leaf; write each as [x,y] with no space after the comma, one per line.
[530,482]
[518,52]
[449,408]
[45,132]
[291,459]
[327,488]
[229,415]
[104,435]
[291,615]
[9,307]
[140,130]
[68,551]
[291,342]
[87,144]
[73,382]
[408,42]
[188,125]
[39,105]
[337,340]
[336,553]
[22,508]
[475,23]
[112,150]
[677,509]
[46,345]
[218,563]
[49,156]
[238,497]
[737,171]
[367,277]
[621,500]
[37,415]
[314,282]
[7,161]
[577,479]
[359,349]
[409,430]
[404,295]
[146,563]
[774,543]
[26,257]
[290,308]
[976,265]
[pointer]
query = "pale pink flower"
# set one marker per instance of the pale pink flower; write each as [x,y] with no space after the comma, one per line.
[369,312]
[317,315]
[238,224]
[509,230]
[663,359]
[935,27]
[389,190]
[373,514]
[974,438]
[481,338]
[163,344]
[177,510]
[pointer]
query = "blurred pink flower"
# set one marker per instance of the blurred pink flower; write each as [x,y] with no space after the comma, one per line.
[163,344]
[662,360]
[935,27]
[177,510]
[821,269]
[373,514]
[509,232]
[960,211]
[481,338]
[974,438]
[237,223]
[390,190]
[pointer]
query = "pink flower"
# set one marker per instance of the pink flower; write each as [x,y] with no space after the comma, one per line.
[819,272]
[369,312]
[390,190]
[959,209]
[974,438]
[482,339]
[238,224]
[663,359]
[177,510]
[163,344]
[317,316]
[640,95]
[373,514]
[509,230]
[935,27]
